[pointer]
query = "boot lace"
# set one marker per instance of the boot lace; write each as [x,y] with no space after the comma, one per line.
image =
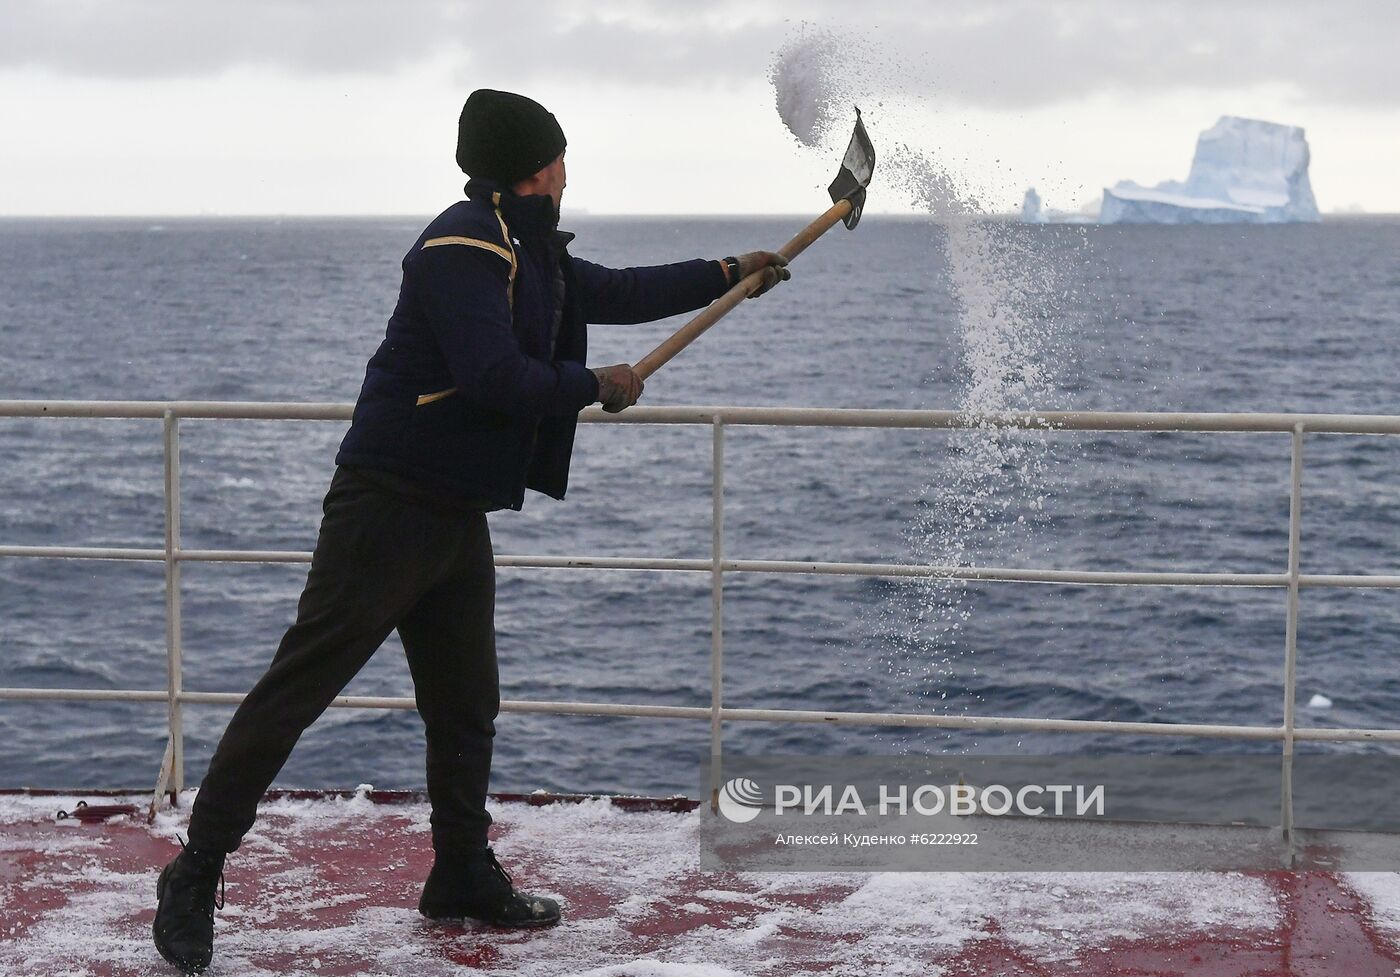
[219,900]
[499,869]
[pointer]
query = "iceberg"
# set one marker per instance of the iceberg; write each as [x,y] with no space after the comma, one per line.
[1032,211]
[1244,171]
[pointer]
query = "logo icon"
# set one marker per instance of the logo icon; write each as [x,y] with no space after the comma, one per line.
[740,800]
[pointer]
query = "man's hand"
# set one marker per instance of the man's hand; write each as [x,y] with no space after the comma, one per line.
[774,268]
[619,387]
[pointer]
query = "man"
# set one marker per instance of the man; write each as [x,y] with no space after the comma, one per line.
[471,399]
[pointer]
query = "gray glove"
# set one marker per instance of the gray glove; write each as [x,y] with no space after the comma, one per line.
[774,268]
[619,387]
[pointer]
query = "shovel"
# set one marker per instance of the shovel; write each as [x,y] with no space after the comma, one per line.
[848,200]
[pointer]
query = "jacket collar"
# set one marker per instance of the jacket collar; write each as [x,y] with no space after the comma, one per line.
[531,215]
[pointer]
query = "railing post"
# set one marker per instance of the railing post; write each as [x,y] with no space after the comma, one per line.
[716,609]
[173,629]
[1290,657]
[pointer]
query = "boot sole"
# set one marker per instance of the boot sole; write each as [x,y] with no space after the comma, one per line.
[460,920]
[169,958]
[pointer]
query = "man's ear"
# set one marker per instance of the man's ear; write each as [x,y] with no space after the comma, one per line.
[531,184]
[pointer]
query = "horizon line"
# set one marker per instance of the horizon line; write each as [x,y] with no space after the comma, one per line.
[585,214]
[568,215]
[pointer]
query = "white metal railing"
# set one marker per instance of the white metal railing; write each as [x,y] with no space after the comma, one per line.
[174,555]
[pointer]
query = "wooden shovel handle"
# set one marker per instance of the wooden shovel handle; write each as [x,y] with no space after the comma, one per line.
[741,290]
[834,214]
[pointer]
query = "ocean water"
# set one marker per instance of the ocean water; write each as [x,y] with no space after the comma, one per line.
[1291,318]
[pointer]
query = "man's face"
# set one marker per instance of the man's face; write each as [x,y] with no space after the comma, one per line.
[554,180]
[546,182]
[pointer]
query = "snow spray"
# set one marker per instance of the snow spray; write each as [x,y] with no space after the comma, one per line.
[990,486]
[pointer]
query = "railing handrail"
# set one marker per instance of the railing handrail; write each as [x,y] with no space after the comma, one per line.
[1297,425]
[1061,420]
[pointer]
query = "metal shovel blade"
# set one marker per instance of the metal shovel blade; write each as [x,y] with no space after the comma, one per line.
[856,169]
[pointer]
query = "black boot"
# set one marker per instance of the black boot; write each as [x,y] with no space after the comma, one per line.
[472,885]
[184,923]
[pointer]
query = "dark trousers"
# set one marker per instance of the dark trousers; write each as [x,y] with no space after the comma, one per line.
[382,562]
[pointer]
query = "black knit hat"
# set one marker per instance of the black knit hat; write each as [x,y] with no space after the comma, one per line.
[506,137]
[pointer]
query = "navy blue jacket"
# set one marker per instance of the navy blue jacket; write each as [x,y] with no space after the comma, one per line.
[476,389]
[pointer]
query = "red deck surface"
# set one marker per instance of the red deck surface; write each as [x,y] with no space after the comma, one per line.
[328,887]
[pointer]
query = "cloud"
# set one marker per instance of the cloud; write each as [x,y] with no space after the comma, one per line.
[995,53]
[1013,52]
[172,38]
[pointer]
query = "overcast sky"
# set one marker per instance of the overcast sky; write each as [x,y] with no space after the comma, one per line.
[350,106]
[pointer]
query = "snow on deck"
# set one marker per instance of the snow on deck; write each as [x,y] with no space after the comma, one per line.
[328,886]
